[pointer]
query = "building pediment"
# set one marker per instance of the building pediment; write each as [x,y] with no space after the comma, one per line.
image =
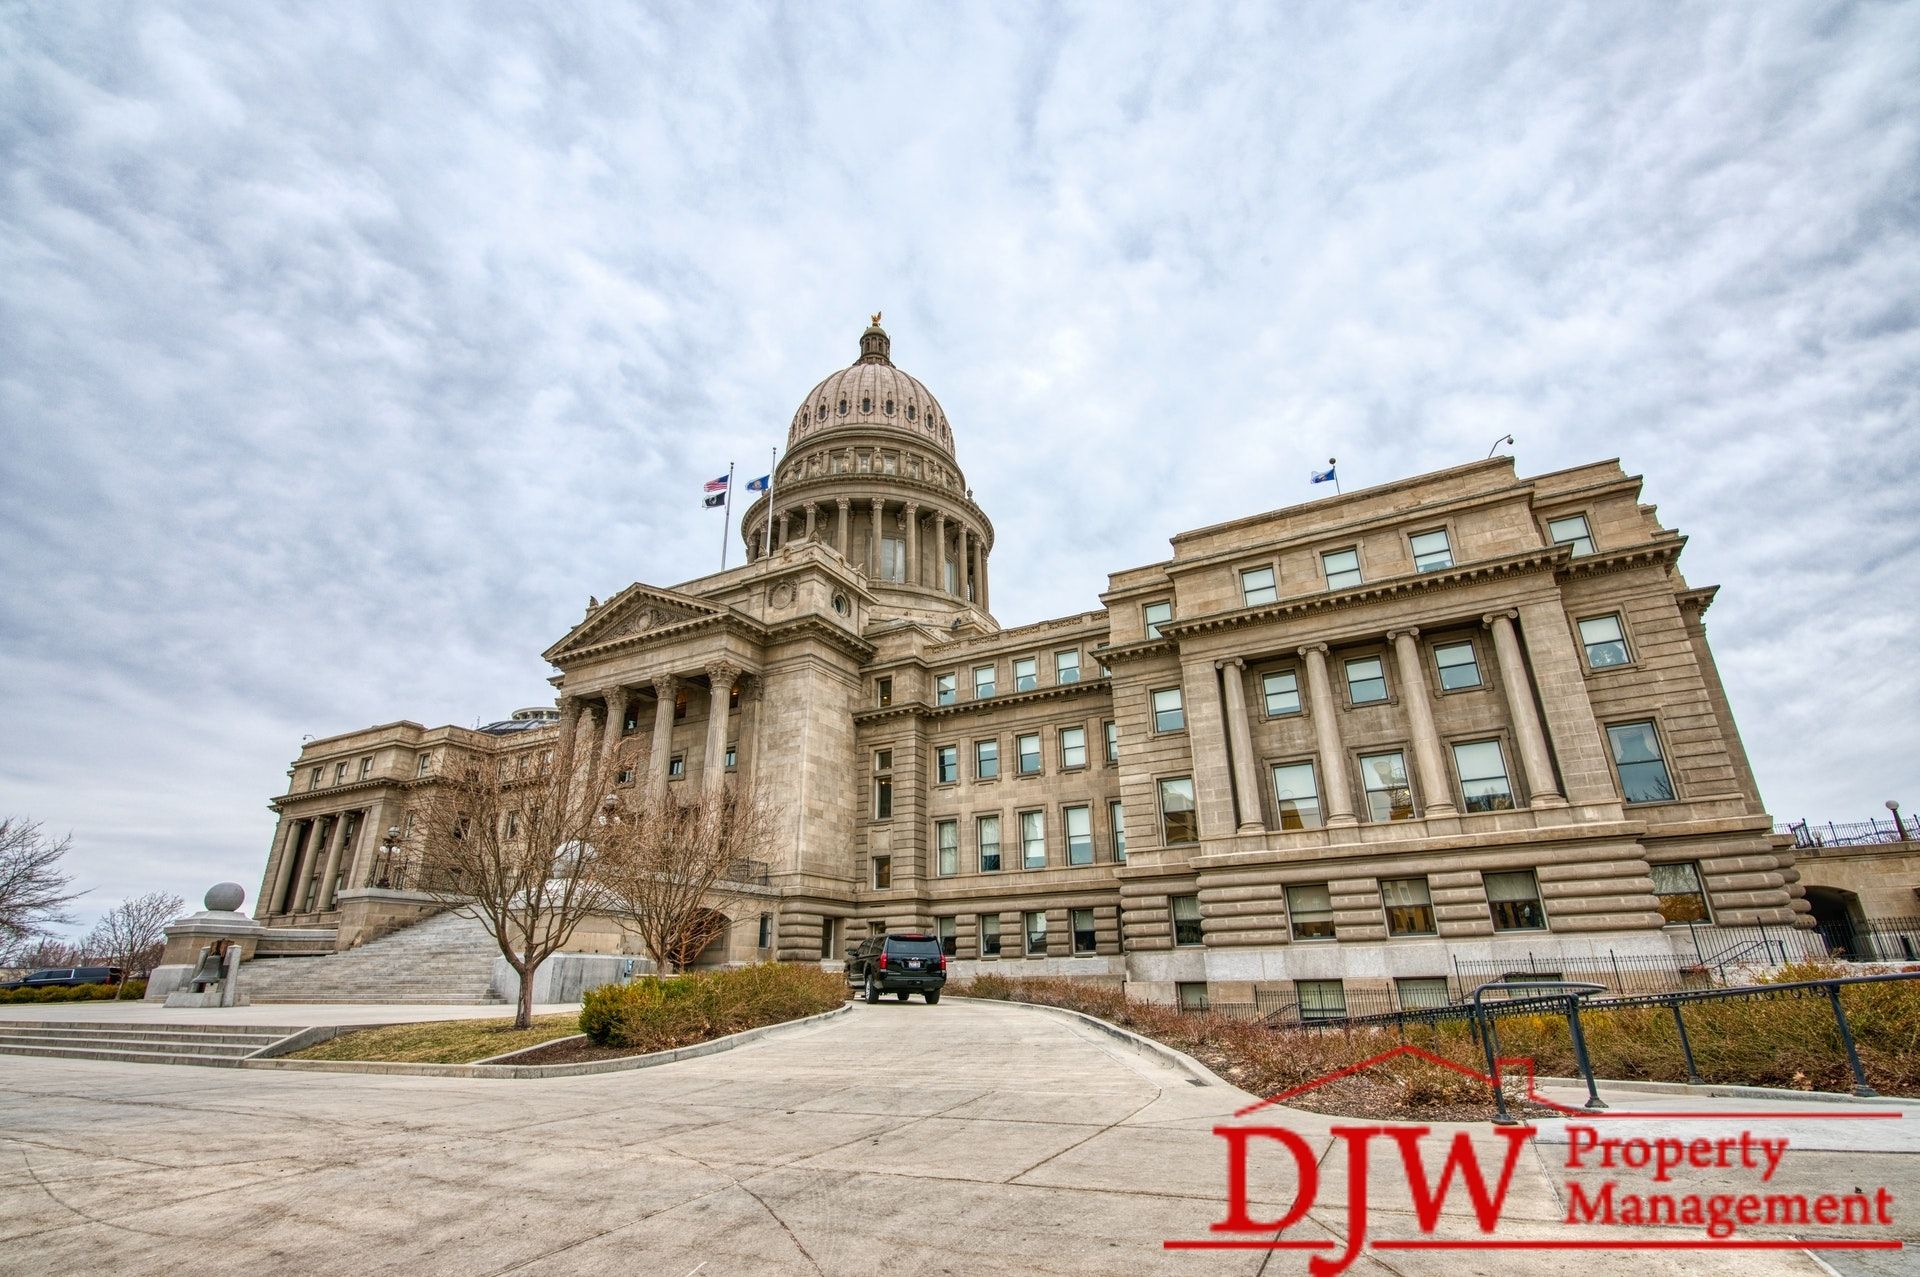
[635,611]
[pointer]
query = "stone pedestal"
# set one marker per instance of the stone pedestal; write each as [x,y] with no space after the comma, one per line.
[189,937]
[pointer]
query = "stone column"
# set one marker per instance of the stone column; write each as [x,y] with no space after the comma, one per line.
[984,600]
[873,544]
[617,700]
[813,518]
[1246,777]
[664,688]
[786,527]
[274,899]
[1334,789]
[1436,790]
[973,566]
[913,543]
[330,870]
[569,729]
[940,550]
[721,676]
[840,525]
[1542,789]
[373,826]
[1207,740]
[1579,744]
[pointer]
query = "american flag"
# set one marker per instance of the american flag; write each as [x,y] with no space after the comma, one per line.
[717,485]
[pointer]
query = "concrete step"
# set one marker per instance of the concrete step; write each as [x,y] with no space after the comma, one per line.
[249,1039]
[123,1057]
[137,1046]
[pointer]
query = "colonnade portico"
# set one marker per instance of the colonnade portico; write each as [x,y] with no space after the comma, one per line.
[723,677]
[1237,761]
[963,548]
[307,871]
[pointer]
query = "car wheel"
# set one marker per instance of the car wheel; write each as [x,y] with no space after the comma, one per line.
[873,990]
[933,996]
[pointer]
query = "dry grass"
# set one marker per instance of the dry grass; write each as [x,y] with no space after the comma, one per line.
[1782,1042]
[440,1041]
[658,1015]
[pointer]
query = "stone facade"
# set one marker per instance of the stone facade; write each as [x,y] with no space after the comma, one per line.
[1466,713]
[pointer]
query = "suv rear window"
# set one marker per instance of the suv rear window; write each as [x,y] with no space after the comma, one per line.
[914,946]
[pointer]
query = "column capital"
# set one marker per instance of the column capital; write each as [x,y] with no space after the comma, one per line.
[1404,631]
[727,672]
[843,502]
[1491,617]
[912,508]
[1310,648]
[617,695]
[665,685]
[1236,662]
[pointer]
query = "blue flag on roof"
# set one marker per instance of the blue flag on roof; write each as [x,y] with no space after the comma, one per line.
[1322,476]
[761,484]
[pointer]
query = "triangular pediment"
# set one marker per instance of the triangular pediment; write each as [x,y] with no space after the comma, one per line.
[636,610]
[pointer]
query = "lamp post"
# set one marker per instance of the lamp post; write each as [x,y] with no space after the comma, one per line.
[388,846]
[1507,439]
[1898,827]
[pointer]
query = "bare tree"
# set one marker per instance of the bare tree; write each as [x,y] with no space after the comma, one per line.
[38,951]
[511,839]
[673,866]
[133,934]
[34,893]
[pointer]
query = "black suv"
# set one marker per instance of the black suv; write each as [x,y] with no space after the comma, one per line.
[65,977]
[900,964]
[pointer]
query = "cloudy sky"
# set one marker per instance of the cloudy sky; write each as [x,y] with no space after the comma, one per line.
[346,349]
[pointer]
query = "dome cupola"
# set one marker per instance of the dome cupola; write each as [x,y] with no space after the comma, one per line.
[871,393]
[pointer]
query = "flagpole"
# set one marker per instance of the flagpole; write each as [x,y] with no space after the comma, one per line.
[1333,468]
[768,546]
[726,518]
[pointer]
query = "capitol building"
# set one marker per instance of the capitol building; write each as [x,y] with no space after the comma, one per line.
[1342,746]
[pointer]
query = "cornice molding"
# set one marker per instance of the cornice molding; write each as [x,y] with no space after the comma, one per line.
[921,709]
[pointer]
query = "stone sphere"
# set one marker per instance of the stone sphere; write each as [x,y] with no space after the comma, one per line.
[225,897]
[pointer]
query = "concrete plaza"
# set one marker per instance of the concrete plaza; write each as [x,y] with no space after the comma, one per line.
[965,1138]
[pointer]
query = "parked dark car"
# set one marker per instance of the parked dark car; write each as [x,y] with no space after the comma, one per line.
[903,963]
[66,977]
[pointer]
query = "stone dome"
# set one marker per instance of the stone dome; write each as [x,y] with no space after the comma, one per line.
[870,394]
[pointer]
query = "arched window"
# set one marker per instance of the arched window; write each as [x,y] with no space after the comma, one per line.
[889,407]
[823,410]
[866,405]
[909,412]
[843,407]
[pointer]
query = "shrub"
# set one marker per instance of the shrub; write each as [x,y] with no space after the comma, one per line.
[660,1014]
[135,990]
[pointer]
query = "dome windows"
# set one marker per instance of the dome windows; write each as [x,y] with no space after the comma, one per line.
[823,410]
[866,407]
[889,407]
[910,412]
[843,407]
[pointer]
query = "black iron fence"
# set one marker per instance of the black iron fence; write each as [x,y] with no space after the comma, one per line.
[1860,833]
[1874,939]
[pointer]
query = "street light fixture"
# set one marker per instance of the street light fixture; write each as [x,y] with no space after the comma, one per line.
[388,846]
[1506,439]
[1898,827]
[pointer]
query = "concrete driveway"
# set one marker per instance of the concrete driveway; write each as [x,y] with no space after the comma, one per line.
[959,1139]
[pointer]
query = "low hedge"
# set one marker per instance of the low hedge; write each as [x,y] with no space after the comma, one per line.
[660,1014]
[134,991]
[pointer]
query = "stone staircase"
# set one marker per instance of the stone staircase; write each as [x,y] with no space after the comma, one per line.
[446,959]
[217,1045]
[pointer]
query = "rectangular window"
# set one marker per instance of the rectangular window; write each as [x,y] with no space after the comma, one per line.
[1117,819]
[624,776]
[989,935]
[1681,897]
[422,766]
[1036,934]
[366,767]
[1179,822]
[1321,999]
[946,842]
[946,764]
[1297,791]
[1311,908]
[948,931]
[1366,681]
[313,780]
[1073,747]
[1571,531]
[1431,551]
[513,824]
[732,756]
[1257,586]
[1169,712]
[766,931]
[1026,674]
[1033,840]
[339,773]
[1604,640]
[1026,751]
[1079,822]
[883,798]
[829,931]
[986,834]
[1409,907]
[986,760]
[982,682]
[1083,933]
[1112,732]
[1186,921]
[1342,568]
[1384,776]
[1483,776]
[1193,997]
[1156,615]
[1458,667]
[1282,690]
[883,692]
[944,688]
[1419,992]
[1066,667]
[676,767]
[1636,756]
[882,760]
[1514,901]
[882,872]
[893,559]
